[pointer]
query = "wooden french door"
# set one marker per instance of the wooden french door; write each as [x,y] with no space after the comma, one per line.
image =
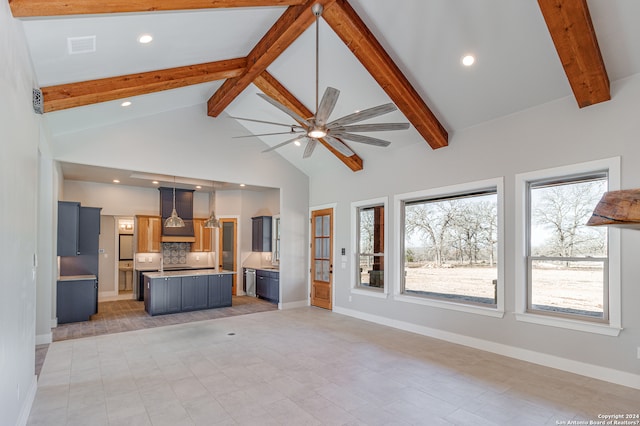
[322,258]
[227,248]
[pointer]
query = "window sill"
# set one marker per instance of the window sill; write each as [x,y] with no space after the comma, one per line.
[370,293]
[478,310]
[588,327]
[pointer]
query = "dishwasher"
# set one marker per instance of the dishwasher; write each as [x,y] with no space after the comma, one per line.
[250,281]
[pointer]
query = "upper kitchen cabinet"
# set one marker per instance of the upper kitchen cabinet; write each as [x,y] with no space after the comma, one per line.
[261,233]
[78,229]
[202,235]
[89,237]
[149,234]
[68,228]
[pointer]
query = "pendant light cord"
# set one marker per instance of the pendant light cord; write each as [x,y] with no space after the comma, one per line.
[317,58]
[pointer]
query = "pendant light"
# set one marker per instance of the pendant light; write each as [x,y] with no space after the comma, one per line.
[174,221]
[212,222]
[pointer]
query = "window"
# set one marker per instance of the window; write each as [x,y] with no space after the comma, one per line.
[568,274]
[368,219]
[370,251]
[451,247]
[566,259]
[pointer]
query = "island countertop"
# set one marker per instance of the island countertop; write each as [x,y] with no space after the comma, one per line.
[187,273]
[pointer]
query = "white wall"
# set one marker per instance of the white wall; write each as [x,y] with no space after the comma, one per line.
[206,151]
[551,135]
[19,142]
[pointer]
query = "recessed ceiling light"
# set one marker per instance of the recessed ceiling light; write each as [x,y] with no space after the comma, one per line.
[468,60]
[116,181]
[125,103]
[198,187]
[145,38]
[243,185]
[297,143]
[155,182]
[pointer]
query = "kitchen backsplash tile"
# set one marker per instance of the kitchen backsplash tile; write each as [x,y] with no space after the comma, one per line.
[175,253]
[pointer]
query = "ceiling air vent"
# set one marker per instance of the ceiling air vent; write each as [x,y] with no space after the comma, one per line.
[77,45]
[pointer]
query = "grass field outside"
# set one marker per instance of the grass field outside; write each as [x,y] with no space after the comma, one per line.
[570,290]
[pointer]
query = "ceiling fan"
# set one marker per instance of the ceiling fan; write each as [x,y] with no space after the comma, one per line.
[332,132]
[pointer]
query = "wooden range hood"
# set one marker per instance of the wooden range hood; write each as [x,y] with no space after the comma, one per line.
[618,208]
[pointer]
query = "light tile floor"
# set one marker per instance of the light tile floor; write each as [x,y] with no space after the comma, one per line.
[304,366]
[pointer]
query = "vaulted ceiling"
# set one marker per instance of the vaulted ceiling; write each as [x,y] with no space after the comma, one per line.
[376,51]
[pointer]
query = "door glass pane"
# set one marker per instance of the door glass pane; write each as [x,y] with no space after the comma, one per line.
[325,248]
[318,270]
[318,226]
[318,248]
[325,270]
[227,246]
[326,226]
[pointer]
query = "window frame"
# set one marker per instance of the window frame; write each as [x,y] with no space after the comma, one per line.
[611,326]
[356,206]
[452,191]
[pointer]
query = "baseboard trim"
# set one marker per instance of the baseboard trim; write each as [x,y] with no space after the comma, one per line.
[577,367]
[28,402]
[293,305]
[44,339]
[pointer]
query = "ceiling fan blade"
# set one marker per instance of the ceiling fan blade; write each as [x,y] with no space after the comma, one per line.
[267,134]
[327,104]
[284,109]
[372,127]
[267,122]
[365,139]
[297,138]
[339,146]
[365,114]
[311,145]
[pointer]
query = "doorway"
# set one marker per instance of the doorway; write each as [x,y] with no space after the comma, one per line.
[322,258]
[227,248]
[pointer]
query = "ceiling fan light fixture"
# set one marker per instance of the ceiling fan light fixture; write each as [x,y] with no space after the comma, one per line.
[317,133]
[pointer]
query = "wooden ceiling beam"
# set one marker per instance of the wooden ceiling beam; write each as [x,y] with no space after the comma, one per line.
[274,89]
[354,33]
[72,95]
[293,22]
[33,8]
[571,29]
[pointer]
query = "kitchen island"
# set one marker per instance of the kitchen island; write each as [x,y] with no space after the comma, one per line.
[170,292]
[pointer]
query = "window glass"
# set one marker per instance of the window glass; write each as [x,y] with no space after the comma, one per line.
[567,260]
[370,242]
[450,248]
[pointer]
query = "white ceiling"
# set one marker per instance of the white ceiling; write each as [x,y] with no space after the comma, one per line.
[516,66]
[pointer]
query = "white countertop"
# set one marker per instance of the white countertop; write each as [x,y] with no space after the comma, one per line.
[76,277]
[186,273]
[264,268]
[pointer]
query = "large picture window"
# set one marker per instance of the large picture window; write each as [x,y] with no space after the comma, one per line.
[567,261]
[567,274]
[450,250]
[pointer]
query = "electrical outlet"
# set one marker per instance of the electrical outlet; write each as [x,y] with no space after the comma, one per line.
[141,260]
[638,352]
[350,298]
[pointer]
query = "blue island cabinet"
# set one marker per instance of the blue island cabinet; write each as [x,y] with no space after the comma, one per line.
[194,292]
[164,295]
[220,288]
[184,293]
